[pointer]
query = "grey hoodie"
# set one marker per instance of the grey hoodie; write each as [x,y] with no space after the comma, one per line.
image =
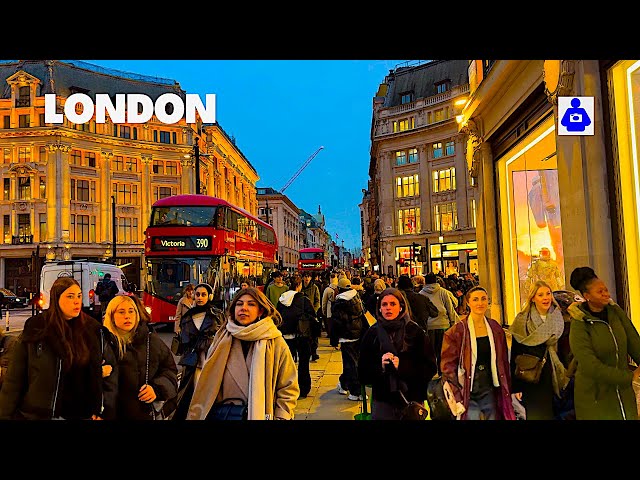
[441,298]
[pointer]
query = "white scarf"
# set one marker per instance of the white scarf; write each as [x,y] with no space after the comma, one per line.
[208,386]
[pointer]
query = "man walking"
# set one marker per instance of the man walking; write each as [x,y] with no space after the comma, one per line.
[106,289]
[311,291]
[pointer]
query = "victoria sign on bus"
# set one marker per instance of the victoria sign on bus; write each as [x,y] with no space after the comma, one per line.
[181,243]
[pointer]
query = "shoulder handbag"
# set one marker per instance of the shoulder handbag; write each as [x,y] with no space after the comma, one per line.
[437,400]
[177,347]
[229,410]
[413,410]
[156,406]
[529,367]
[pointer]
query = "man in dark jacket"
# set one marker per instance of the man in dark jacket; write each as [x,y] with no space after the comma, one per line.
[312,292]
[349,325]
[106,289]
[421,307]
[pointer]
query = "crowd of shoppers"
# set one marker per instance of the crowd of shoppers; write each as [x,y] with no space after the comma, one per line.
[398,336]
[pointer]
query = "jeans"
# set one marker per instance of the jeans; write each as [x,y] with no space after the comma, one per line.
[349,378]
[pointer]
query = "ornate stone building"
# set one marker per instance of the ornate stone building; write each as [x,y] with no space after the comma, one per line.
[61,181]
[420,200]
[570,199]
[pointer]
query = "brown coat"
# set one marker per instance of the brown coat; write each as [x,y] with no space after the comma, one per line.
[457,341]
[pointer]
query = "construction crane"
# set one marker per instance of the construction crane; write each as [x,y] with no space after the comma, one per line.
[295,175]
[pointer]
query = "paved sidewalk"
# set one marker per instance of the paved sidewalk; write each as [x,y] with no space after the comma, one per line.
[324,402]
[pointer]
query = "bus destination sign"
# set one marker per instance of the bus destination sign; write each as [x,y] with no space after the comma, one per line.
[167,244]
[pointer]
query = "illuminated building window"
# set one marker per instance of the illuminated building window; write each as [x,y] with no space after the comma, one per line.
[24,154]
[407,186]
[413,155]
[24,188]
[436,148]
[450,148]
[408,221]
[472,213]
[444,180]
[445,216]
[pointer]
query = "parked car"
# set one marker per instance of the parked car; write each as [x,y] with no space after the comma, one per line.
[8,299]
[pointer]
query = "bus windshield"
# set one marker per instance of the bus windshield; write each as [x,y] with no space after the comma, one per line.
[311,256]
[183,216]
[166,278]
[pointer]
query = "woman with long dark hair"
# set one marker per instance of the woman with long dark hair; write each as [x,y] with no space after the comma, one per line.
[63,366]
[249,363]
[396,357]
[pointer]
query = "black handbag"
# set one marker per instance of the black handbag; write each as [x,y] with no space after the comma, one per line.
[177,347]
[413,410]
[437,401]
[228,410]
[529,367]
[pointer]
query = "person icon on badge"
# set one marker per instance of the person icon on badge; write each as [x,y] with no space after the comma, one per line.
[575,119]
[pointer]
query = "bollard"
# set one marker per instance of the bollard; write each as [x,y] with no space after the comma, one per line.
[7,319]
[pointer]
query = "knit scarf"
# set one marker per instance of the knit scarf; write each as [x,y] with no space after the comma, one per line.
[529,329]
[208,385]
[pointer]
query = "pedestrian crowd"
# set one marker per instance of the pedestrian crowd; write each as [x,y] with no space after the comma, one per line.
[415,341]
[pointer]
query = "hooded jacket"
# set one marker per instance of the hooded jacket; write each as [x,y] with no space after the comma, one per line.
[347,313]
[441,298]
[296,312]
[602,388]
[312,292]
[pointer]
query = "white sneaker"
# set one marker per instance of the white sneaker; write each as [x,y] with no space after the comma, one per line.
[355,398]
[341,390]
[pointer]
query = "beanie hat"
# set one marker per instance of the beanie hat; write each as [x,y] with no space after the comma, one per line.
[344,283]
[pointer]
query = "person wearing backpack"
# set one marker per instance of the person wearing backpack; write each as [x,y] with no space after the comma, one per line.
[349,325]
[106,289]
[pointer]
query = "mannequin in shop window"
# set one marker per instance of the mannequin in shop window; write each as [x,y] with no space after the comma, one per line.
[545,269]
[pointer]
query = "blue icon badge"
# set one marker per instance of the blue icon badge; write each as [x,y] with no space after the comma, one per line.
[575,116]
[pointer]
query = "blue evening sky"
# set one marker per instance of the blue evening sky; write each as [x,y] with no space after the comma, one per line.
[280,112]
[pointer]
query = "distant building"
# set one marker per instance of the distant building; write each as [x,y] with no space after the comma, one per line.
[420,190]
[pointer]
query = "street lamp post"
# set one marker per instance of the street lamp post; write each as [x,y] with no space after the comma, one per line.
[114,226]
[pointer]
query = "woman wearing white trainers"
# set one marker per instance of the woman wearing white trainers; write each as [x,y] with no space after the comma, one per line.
[396,358]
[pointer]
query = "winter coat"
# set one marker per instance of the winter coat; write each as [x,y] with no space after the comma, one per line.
[417,364]
[163,374]
[312,292]
[602,388]
[34,383]
[273,292]
[456,352]
[328,297]
[348,317]
[7,342]
[196,341]
[371,303]
[422,308]
[297,314]
[442,299]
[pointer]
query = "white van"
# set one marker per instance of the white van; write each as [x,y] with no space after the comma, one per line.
[87,274]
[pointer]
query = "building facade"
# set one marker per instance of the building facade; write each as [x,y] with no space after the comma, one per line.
[280,212]
[420,201]
[560,201]
[61,182]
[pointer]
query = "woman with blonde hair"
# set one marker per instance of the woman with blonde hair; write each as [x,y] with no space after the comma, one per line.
[249,364]
[535,331]
[147,372]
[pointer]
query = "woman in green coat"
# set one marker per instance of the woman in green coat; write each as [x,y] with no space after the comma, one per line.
[601,338]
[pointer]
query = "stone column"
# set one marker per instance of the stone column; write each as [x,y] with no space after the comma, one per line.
[146,197]
[106,190]
[462,176]
[64,194]
[187,182]
[425,189]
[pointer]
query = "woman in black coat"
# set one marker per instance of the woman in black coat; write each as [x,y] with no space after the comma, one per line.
[197,329]
[296,327]
[395,356]
[147,370]
[63,366]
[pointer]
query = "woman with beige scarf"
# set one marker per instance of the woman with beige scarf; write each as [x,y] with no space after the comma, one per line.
[248,360]
[536,331]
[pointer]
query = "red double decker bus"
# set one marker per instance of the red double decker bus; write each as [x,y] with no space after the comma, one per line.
[197,238]
[311,260]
